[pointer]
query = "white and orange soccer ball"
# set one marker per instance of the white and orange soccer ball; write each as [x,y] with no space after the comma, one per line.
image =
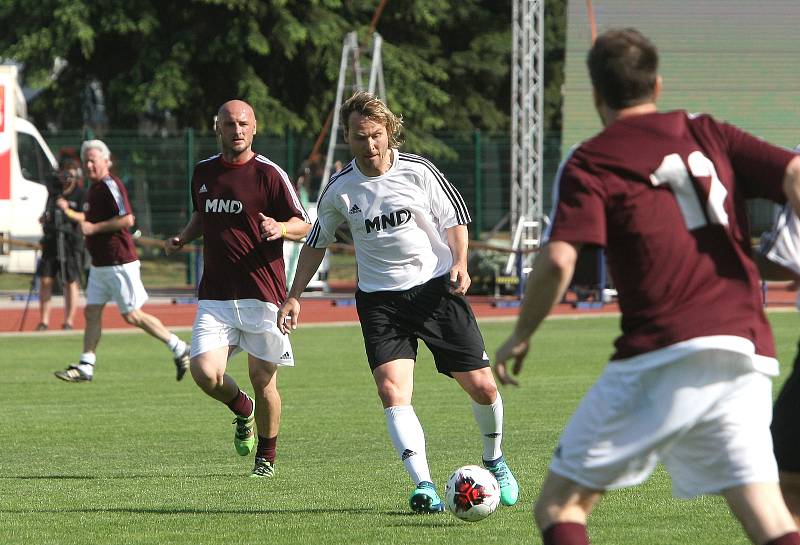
[472,493]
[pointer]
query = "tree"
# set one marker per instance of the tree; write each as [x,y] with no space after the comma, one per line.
[446,63]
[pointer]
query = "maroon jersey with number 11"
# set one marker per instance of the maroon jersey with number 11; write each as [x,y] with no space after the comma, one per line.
[237,264]
[665,193]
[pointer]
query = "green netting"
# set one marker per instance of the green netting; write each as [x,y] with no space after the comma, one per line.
[156,170]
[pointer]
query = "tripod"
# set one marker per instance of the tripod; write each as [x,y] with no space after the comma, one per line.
[61,252]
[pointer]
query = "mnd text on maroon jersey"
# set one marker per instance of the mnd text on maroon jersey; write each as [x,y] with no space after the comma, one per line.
[237,263]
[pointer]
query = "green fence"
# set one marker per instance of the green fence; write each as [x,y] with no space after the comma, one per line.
[156,171]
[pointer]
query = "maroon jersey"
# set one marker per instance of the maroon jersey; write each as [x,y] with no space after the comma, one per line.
[106,199]
[237,263]
[665,193]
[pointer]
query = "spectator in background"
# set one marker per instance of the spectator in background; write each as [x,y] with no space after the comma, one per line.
[303,179]
[62,244]
[114,274]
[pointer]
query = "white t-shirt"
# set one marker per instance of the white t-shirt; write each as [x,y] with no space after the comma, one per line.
[397,220]
[781,245]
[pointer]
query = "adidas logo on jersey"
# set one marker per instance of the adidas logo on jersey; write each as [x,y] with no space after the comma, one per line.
[202,189]
[354,209]
[286,356]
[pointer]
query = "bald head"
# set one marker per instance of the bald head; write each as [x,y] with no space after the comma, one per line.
[235,126]
[236,107]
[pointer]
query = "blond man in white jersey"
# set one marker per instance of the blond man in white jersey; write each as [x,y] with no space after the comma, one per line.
[409,227]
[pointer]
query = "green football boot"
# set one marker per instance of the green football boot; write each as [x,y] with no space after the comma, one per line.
[243,438]
[509,489]
[424,499]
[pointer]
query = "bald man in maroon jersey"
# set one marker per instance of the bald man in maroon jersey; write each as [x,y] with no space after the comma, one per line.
[114,273]
[690,382]
[244,206]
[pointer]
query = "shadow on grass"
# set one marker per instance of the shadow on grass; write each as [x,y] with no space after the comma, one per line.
[185,511]
[47,477]
[418,520]
[110,477]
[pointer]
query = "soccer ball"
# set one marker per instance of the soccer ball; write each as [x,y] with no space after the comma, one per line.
[472,493]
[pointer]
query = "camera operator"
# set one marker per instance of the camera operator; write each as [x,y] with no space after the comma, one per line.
[62,244]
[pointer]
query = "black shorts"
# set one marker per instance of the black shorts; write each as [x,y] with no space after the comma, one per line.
[785,421]
[50,266]
[394,321]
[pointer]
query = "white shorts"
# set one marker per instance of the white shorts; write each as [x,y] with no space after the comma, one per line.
[705,416]
[246,324]
[119,283]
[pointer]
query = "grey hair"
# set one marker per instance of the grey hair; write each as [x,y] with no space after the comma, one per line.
[98,145]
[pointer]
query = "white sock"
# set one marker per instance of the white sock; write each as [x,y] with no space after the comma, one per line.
[177,346]
[409,441]
[86,364]
[490,423]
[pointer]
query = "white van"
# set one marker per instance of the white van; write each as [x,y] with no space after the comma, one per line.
[26,164]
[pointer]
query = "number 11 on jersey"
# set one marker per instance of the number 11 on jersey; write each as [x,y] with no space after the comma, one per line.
[674,173]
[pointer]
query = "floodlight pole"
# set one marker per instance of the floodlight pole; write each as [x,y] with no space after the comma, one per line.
[350,65]
[527,104]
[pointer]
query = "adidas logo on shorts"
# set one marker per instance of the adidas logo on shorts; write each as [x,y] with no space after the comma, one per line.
[354,209]
[286,356]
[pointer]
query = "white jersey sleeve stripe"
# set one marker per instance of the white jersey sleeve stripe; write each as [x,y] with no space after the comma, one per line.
[112,187]
[289,186]
[207,159]
[462,213]
[556,187]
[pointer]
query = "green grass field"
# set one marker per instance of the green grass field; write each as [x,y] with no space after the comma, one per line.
[135,458]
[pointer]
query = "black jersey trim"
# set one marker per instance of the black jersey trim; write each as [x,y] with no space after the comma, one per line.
[313,235]
[462,213]
[335,177]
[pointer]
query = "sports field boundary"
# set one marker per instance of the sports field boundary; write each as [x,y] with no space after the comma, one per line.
[317,310]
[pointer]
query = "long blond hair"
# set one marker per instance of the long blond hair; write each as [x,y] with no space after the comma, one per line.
[376,110]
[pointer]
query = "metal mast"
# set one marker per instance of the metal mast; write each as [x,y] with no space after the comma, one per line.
[351,79]
[527,94]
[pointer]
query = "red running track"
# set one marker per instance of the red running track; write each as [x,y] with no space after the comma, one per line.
[175,315]
[315,309]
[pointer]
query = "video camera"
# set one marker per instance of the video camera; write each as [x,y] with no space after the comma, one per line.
[57,182]
[55,187]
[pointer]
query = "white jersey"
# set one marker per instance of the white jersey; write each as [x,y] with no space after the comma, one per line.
[398,221]
[781,245]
